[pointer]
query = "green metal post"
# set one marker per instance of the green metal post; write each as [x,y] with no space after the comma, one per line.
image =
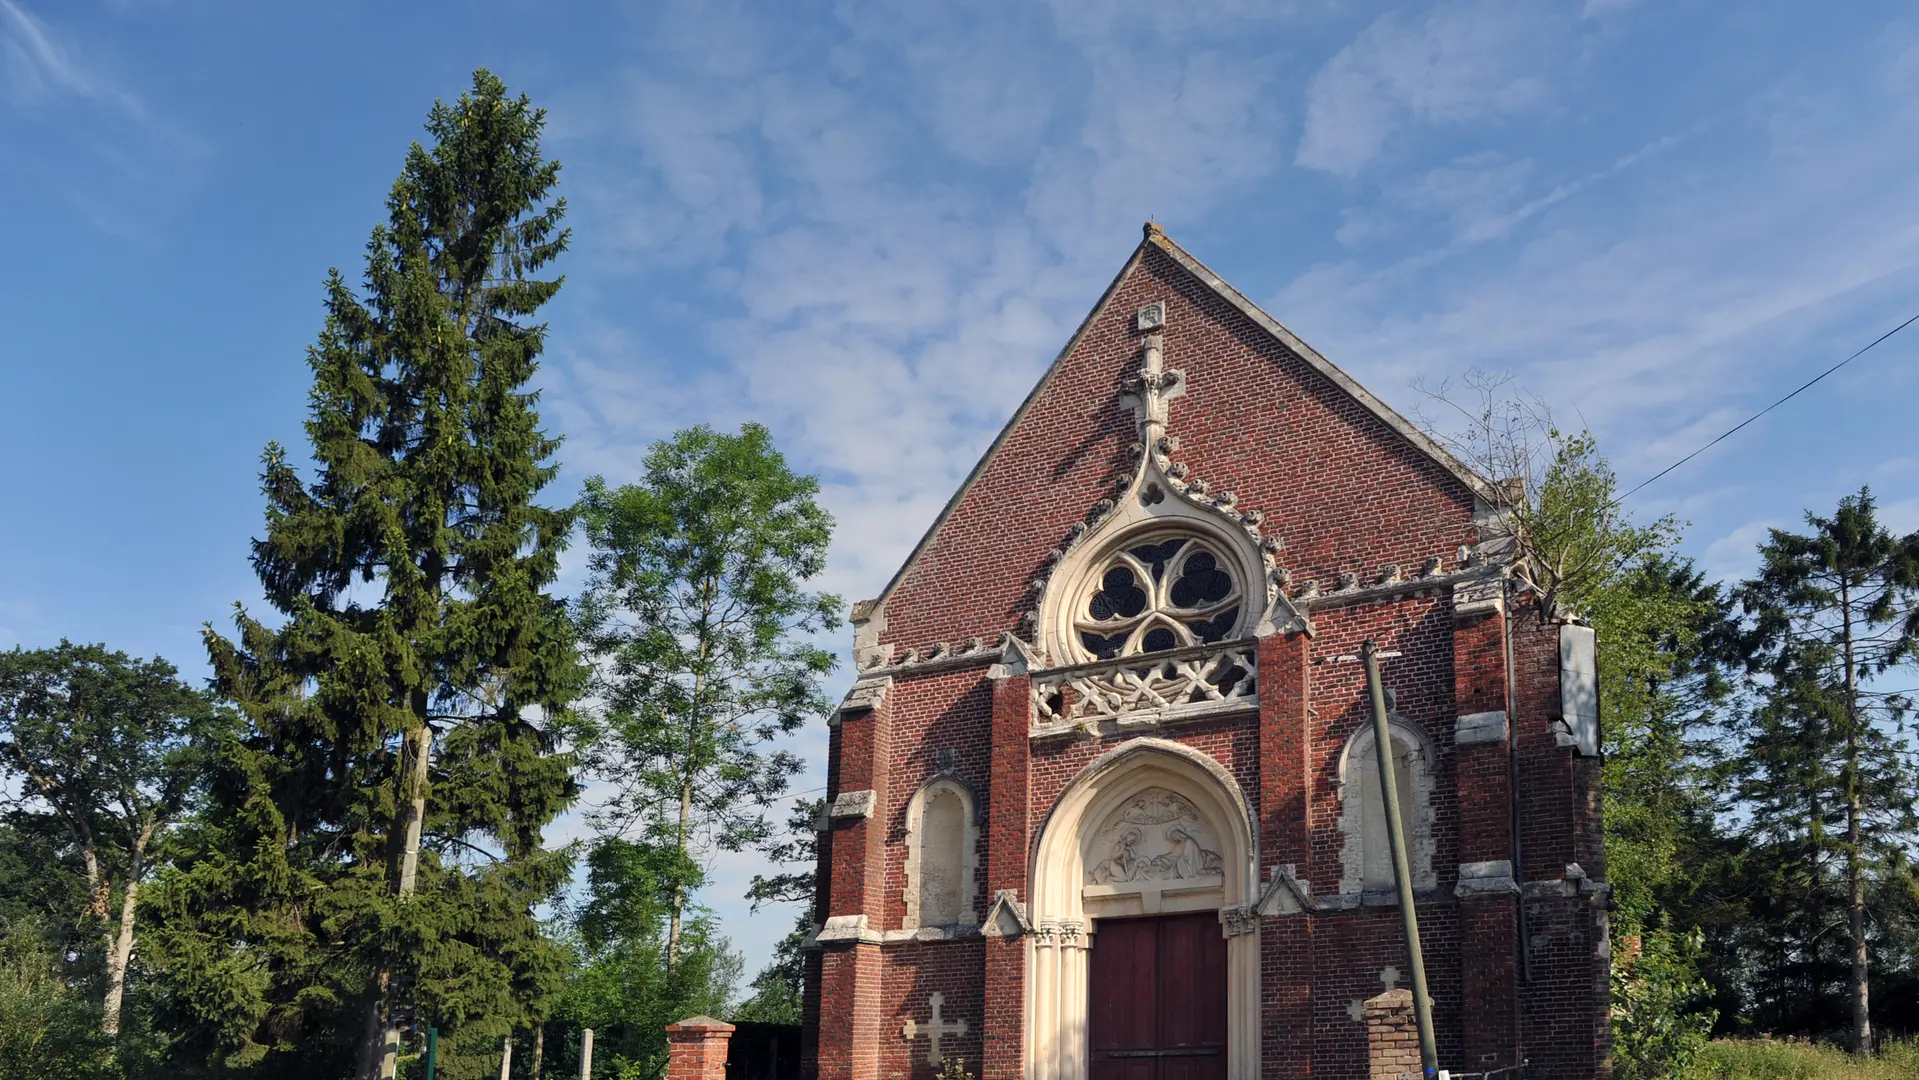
[1402,870]
[432,1049]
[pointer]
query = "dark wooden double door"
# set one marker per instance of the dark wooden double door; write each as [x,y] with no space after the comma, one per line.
[1157,999]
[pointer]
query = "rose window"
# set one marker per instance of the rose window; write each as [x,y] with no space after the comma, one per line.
[1157,595]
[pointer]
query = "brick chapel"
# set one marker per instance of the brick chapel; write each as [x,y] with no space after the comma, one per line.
[1103,802]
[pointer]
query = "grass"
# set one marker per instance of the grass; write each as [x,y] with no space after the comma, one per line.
[1774,1059]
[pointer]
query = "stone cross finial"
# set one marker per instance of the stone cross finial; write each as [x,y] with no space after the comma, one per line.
[1149,389]
[1389,975]
[934,1029]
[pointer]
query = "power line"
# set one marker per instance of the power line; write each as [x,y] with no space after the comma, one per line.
[1802,387]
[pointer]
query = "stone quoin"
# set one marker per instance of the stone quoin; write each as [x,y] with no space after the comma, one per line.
[1102,803]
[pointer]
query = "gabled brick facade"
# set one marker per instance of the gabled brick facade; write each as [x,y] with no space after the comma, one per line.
[1364,529]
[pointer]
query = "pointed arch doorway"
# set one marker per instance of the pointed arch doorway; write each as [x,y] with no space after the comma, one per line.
[1152,842]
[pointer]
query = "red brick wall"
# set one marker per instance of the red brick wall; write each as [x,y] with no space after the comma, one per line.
[1344,493]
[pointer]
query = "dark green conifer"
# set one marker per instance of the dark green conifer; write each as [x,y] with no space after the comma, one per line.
[374,854]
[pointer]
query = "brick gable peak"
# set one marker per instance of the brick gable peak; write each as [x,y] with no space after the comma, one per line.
[868,616]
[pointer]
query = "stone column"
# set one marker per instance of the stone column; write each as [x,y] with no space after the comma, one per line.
[697,1049]
[1488,895]
[1007,842]
[1285,845]
[854,846]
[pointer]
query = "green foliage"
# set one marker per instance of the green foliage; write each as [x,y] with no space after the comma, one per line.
[1578,542]
[48,1029]
[1659,1028]
[953,1069]
[420,664]
[698,614]
[107,753]
[1798,1059]
[778,987]
[1827,773]
[620,983]
[1657,623]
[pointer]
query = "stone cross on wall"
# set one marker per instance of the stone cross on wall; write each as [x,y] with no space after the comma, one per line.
[934,1029]
[1390,976]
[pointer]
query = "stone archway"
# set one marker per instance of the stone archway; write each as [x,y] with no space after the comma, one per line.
[1149,827]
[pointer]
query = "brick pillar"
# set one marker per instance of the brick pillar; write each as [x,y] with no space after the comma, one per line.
[1489,897]
[1392,1037]
[697,1049]
[853,846]
[857,812]
[1285,786]
[1008,841]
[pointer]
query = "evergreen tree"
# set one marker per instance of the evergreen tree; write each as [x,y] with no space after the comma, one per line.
[1828,777]
[698,614]
[113,751]
[374,853]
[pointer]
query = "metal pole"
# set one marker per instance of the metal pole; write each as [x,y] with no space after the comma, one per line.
[432,1050]
[586,1054]
[506,1058]
[1402,870]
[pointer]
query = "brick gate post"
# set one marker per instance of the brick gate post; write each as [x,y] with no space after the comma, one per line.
[697,1049]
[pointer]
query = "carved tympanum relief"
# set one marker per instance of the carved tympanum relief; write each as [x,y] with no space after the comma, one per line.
[1154,836]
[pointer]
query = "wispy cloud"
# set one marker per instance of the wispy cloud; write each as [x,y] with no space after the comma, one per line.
[98,146]
[1467,60]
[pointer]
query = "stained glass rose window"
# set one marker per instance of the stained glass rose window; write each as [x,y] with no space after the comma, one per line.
[1157,594]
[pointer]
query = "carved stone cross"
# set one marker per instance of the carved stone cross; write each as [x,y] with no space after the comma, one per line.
[934,1029]
[1149,389]
[1390,976]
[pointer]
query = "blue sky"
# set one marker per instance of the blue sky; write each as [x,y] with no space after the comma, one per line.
[871,225]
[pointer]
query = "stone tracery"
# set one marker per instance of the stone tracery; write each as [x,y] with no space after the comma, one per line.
[1156,593]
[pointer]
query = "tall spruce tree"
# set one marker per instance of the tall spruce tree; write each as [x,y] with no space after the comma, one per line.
[1828,778]
[376,853]
[699,615]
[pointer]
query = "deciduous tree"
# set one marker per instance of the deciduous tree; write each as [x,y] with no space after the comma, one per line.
[699,616]
[115,750]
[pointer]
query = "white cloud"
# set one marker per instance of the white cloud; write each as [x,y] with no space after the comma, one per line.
[890,234]
[1736,554]
[1466,60]
[97,146]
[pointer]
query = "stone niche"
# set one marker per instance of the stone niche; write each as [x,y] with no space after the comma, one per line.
[942,851]
[1153,853]
[1365,856]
